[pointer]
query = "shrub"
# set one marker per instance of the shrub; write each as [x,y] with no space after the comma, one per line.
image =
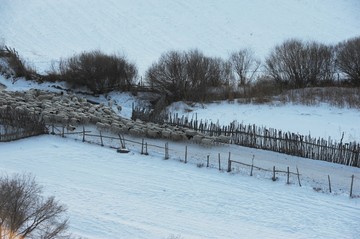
[187,75]
[296,64]
[348,59]
[99,72]
[25,213]
[18,67]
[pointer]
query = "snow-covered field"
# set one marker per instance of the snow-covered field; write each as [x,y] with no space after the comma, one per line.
[112,195]
[320,120]
[46,30]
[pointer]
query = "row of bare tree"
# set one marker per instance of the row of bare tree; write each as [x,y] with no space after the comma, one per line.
[294,64]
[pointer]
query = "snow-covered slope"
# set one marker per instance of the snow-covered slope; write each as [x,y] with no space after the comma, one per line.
[111,195]
[45,30]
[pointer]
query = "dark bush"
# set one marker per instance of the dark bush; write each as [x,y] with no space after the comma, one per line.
[187,76]
[348,59]
[295,64]
[18,67]
[25,213]
[99,72]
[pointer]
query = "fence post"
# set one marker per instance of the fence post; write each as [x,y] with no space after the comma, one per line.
[186,154]
[329,183]
[63,131]
[142,146]
[288,175]
[146,151]
[52,129]
[83,134]
[229,163]
[166,150]
[219,162]
[207,161]
[298,175]
[352,184]
[252,165]
[101,140]
[274,177]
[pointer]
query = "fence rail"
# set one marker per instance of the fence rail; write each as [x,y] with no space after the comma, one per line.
[120,141]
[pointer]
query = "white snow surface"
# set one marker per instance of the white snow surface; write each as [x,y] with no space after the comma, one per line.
[47,30]
[112,195]
[320,120]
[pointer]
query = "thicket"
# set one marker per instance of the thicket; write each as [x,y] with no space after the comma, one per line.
[26,213]
[15,66]
[99,72]
[17,123]
[193,76]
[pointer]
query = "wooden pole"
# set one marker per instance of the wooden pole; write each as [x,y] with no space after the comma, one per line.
[166,151]
[229,163]
[101,139]
[146,151]
[83,134]
[207,161]
[252,165]
[329,183]
[63,131]
[298,175]
[274,177]
[186,154]
[142,146]
[219,162]
[288,175]
[352,184]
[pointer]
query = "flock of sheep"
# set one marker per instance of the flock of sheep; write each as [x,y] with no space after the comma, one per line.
[69,110]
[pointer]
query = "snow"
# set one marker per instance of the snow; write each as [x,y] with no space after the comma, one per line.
[43,31]
[320,120]
[112,195]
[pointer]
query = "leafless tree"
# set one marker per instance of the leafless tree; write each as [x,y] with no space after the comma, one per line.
[186,75]
[297,64]
[100,72]
[25,213]
[244,66]
[348,59]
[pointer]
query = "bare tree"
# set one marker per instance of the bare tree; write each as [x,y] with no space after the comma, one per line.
[25,213]
[297,64]
[348,59]
[100,72]
[244,66]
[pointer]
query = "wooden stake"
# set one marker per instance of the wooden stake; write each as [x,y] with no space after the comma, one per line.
[83,134]
[219,162]
[142,146]
[146,151]
[274,177]
[352,184]
[229,163]
[166,151]
[252,165]
[207,161]
[186,154]
[101,139]
[298,175]
[288,175]
[329,183]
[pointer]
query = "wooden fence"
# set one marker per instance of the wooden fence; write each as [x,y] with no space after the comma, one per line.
[16,124]
[276,140]
[119,143]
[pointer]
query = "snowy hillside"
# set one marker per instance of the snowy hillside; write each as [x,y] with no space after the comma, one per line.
[111,195]
[46,30]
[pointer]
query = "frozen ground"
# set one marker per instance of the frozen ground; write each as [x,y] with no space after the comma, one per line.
[320,120]
[112,195]
[44,30]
